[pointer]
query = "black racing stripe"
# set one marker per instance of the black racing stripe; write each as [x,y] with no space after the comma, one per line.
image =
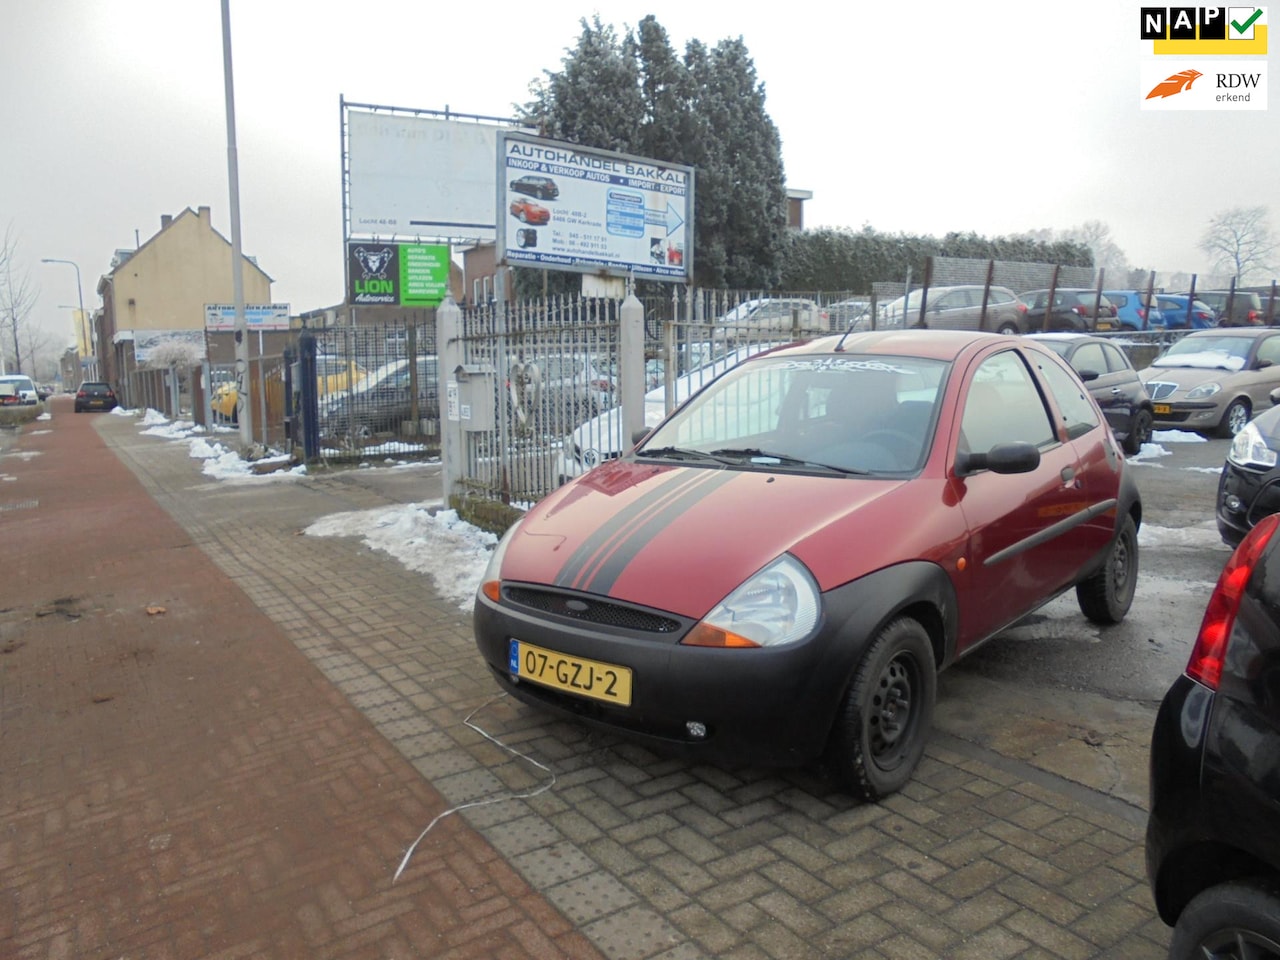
[612,565]
[634,521]
[609,530]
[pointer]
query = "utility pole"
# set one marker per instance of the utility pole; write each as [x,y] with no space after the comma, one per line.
[244,415]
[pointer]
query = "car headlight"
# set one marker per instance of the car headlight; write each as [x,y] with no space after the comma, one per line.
[1203,391]
[778,605]
[1249,449]
[491,583]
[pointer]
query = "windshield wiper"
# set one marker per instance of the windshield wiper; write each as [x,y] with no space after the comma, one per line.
[676,453]
[750,453]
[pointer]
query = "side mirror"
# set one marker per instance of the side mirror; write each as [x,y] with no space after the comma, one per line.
[638,436]
[1263,364]
[1275,396]
[1016,457]
[1087,375]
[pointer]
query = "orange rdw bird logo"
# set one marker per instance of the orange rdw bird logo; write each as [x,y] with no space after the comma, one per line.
[1175,84]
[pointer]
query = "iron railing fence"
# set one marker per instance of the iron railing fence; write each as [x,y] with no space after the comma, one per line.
[377,391]
[556,368]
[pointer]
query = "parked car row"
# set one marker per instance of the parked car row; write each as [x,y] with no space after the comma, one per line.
[1074,309]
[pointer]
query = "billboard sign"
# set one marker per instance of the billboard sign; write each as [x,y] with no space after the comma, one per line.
[567,207]
[397,274]
[419,176]
[257,316]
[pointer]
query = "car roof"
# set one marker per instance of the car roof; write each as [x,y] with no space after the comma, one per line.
[930,344]
[1063,335]
[1251,333]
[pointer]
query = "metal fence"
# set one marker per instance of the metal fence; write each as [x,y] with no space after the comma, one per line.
[377,391]
[547,375]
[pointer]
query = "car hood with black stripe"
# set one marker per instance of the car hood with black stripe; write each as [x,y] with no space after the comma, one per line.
[681,538]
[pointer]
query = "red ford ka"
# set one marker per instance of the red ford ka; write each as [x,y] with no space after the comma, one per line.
[777,572]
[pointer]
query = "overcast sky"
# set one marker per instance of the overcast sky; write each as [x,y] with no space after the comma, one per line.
[928,117]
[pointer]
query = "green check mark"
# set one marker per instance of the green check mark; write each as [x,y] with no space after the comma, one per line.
[1242,27]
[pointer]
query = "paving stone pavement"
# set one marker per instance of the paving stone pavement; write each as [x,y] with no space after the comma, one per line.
[1016,838]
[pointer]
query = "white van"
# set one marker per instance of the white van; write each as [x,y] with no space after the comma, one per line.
[26,388]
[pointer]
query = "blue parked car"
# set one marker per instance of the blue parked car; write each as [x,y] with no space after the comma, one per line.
[1173,308]
[1131,314]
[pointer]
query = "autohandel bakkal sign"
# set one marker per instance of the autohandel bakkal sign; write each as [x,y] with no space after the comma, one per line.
[397,274]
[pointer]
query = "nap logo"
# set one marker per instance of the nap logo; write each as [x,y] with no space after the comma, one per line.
[1205,31]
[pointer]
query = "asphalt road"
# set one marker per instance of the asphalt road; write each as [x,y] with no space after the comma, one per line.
[1180,557]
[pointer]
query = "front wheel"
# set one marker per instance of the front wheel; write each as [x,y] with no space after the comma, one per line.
[1008,328]
[1235,419]
[881,729]
[1139,432]
[1105,597]
[1235,921]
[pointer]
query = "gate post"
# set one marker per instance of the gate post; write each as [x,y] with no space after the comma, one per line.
[631,368]
[310,411]
[449,348]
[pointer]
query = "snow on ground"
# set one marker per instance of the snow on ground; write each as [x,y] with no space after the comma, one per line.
[1154,449]
[421,536]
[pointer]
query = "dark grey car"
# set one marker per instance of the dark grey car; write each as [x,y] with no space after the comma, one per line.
[1114,383]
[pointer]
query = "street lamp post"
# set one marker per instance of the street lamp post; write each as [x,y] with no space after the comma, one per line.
[85,332]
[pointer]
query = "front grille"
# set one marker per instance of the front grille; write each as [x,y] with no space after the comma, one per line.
[590,610]
[1159,389]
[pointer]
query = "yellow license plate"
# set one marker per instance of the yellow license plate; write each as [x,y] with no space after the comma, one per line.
[1162,408]
[1104,325]
[586,678]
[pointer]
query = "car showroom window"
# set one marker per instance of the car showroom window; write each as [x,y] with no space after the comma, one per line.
[1078,414]
[1004,405]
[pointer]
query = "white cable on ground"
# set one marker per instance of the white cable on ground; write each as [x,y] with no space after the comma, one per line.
[480,803]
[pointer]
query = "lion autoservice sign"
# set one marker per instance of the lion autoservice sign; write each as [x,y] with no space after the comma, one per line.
[572,208]
[397,274]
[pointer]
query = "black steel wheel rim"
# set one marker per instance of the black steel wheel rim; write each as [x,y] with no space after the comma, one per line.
[893,710]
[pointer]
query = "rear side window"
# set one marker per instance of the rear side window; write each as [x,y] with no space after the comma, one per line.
[1116,361]
[1089,357]
[1077,410]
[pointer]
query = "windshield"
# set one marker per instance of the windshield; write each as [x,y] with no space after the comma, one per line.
[1226,353]
[854,414]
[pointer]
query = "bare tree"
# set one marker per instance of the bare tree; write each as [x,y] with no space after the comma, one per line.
[17,298]
[1240,242]
[1107,254]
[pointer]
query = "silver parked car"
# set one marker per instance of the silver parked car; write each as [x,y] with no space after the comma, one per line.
[1214,381]
[958,308]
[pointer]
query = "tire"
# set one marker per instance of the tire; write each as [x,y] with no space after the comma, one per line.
[1008,328]
[1239,919]
[880,732]
[1235,418]
[1106,595]
[1139,432]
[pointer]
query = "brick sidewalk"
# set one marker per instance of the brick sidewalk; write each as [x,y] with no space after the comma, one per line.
[179,780]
